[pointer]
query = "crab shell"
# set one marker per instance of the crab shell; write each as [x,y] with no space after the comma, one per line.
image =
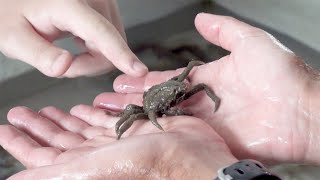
[162,97]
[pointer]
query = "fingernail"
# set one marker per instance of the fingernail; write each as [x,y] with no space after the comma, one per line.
[112,107]
[139,67]
[204,14]
[200,14]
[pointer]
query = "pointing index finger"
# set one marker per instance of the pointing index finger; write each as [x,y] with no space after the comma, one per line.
[99,33]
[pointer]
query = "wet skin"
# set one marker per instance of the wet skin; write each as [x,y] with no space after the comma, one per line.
[160,100]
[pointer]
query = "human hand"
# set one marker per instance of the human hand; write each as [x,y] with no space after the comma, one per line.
[30,27]
[55,144]
[262,86]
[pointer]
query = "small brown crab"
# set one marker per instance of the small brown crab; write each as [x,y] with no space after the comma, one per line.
[160,100]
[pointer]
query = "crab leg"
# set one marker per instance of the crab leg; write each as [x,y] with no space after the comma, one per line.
[128,123]
[186,71]
[209,92]
[153,118]
[129,110]
[176,112]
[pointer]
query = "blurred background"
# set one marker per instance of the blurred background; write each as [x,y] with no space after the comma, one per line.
[163,36]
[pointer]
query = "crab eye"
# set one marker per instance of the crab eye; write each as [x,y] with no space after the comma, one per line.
[128,107]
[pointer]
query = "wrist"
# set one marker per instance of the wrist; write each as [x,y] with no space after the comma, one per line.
[311,110]
[210,171]
[207,166]
[203,164]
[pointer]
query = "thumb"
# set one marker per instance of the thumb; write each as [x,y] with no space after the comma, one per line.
[27,45]
[227,32]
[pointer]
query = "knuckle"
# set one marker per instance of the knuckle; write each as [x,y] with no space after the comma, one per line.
[254,32]
[248,33]
[41,52]
[43,57]
[8,41]
[100,25]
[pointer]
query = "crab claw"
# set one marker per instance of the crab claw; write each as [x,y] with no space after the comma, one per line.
[153,118]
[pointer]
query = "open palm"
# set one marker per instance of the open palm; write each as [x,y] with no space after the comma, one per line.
[261,84]
[53,144]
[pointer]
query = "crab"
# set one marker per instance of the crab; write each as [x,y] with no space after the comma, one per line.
[161,100]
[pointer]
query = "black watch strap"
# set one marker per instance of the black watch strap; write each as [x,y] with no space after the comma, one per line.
[246,170]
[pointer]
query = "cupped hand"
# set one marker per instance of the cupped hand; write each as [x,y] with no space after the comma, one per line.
[30,27]
[262,85]
[55,144]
